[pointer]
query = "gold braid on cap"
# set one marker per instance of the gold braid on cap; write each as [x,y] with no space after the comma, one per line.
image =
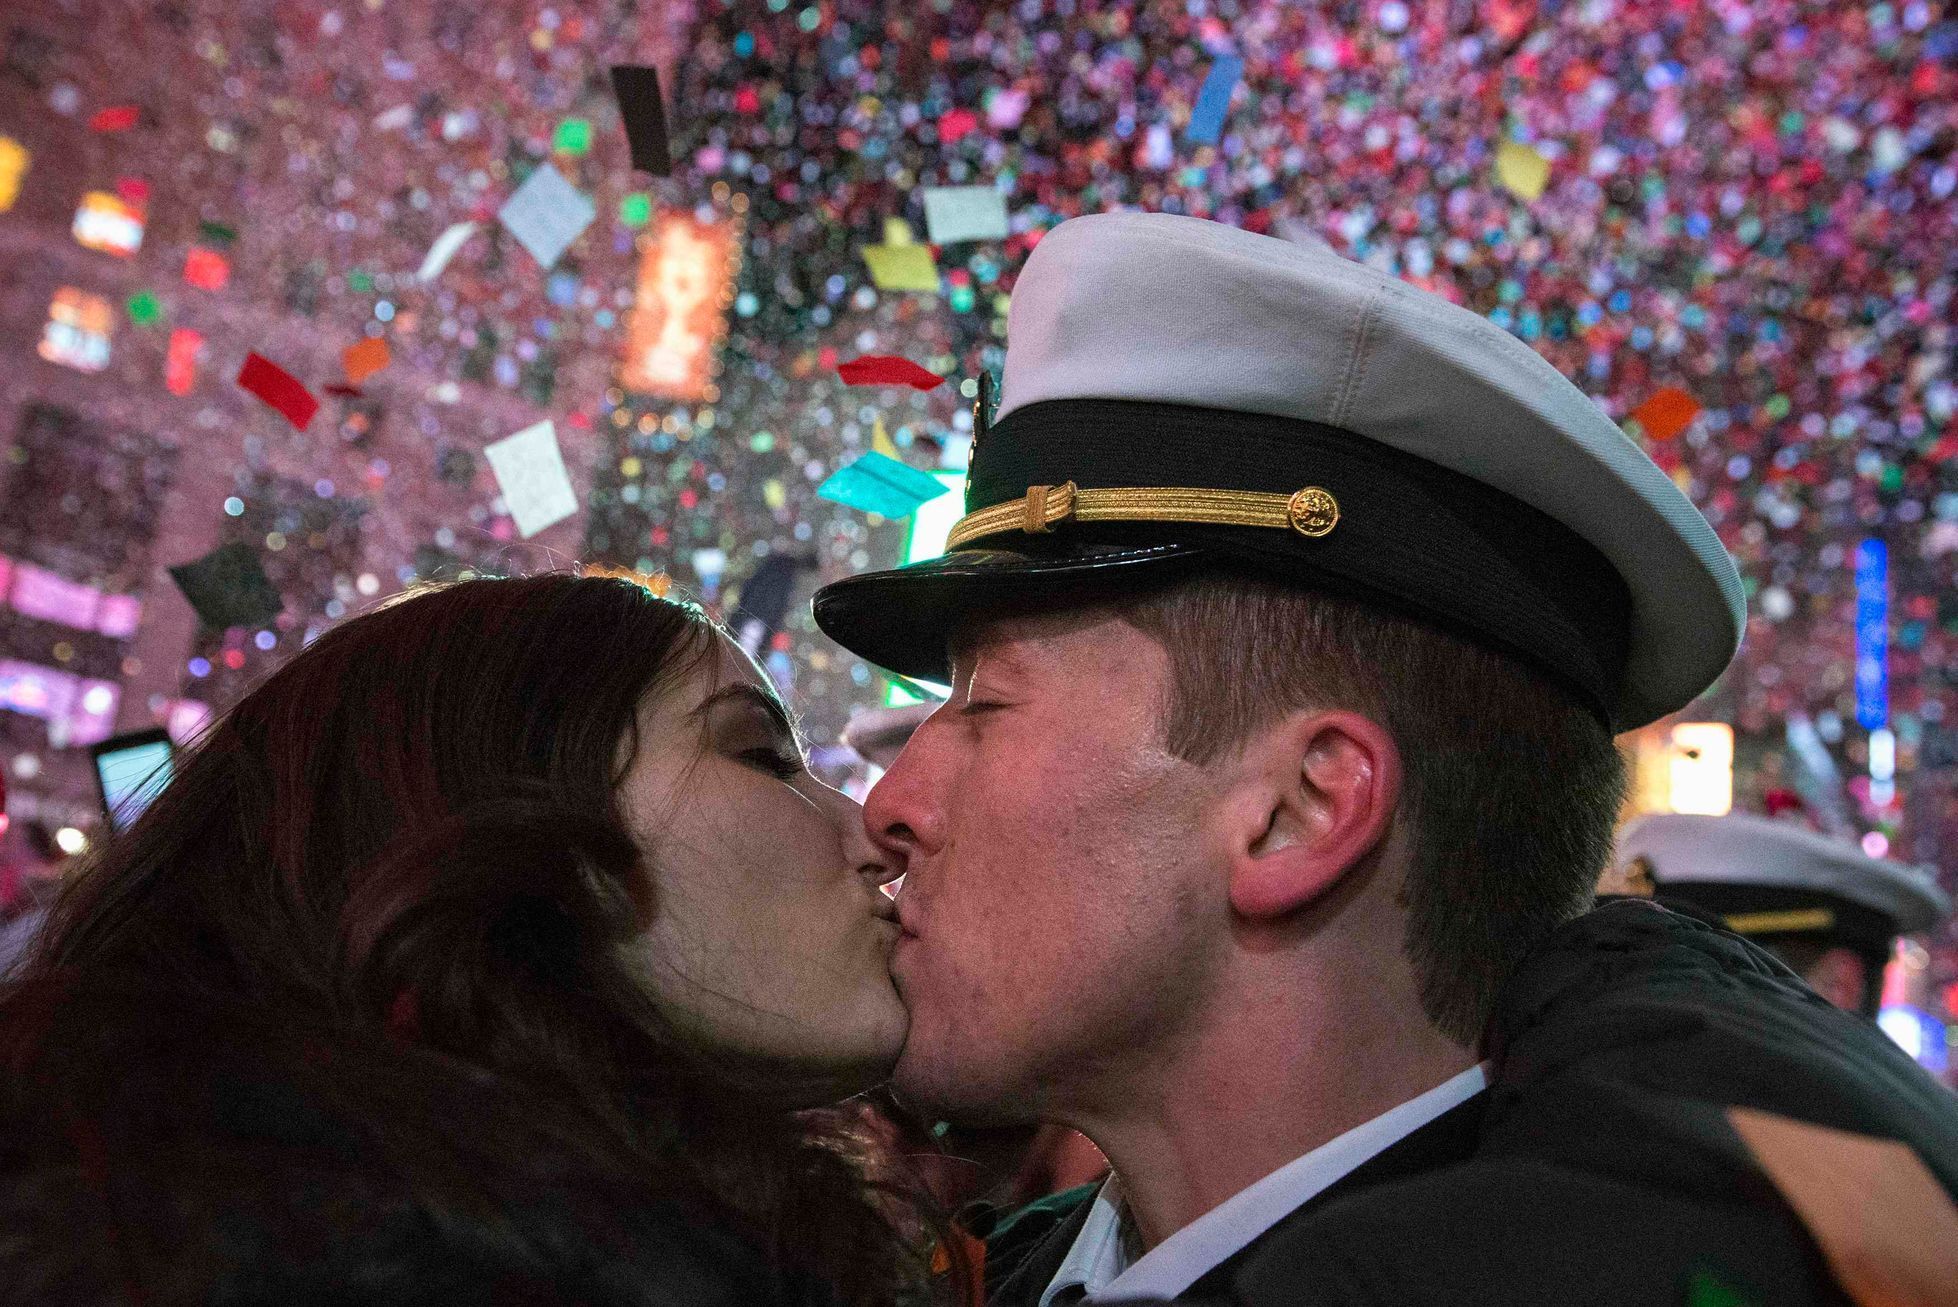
[1312,512]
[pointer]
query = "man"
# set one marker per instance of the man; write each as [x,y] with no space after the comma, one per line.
[1287,629]
[1823,907]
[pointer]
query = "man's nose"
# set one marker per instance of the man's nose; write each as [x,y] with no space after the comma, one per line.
[903,814]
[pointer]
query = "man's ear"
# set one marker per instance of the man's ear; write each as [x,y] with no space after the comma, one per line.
[1326,786]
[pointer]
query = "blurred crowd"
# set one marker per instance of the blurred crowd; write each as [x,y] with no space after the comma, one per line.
[1751,202]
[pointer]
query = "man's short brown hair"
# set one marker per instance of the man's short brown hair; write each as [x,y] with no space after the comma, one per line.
[1511,785]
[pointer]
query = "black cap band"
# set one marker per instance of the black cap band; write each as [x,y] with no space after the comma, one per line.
[1412,536]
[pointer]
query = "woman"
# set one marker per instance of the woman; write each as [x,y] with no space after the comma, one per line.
[492,950]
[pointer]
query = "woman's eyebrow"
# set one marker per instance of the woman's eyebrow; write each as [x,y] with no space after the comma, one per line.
[753,696]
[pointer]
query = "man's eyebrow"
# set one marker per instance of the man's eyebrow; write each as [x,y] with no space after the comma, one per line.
[742,692]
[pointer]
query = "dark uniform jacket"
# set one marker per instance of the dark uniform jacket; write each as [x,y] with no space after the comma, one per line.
[1599,1167]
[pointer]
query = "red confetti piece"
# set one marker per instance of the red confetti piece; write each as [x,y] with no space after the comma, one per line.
[119,118]
[206,269]
[1666,413]
[180,364]
[345,392]
[280,389]
[955,123]
[133,190]
[883,370]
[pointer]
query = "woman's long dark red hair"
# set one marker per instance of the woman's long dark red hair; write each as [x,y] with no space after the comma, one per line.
[411,830]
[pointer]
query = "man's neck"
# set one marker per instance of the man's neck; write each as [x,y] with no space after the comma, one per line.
[1221,1116]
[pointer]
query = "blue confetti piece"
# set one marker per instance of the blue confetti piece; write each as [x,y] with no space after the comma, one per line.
[1214,100]
[877,483]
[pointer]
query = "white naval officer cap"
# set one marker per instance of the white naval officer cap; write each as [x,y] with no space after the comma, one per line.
[1179,394]
[1770,876]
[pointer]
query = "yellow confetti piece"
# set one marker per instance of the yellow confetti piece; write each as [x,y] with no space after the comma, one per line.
[773,494]
[880,439]
[898,232]
[901,267]
[1522,170]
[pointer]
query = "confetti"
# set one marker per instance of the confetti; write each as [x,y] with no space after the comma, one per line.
[530,472]
[764,601]
[1214,100]
[1666,413]
[964,213]
[901,267]
[143,308]
[546,214]
[180,361]
[884,370]
[206,269]
[228,587]
[637,91]
[443,250]
[119,118]
[1522,170]
[877,483]
[14,158]
[364,358]
[573,136]
[278,388]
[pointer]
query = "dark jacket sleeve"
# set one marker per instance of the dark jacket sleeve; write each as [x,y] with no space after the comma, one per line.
[1524,1233]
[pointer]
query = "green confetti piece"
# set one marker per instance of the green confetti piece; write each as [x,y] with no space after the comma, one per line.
[762,441]
[636,209]
[359,282]
[143,307]
[217,233]
[573,136]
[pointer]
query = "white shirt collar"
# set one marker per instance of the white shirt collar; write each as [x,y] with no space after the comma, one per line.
[1098,1261]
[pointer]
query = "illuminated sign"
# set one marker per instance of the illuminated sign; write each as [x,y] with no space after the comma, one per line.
[1872,634]
[78,330]
[77,711]
[686,279]
[1702,768]
[109,223]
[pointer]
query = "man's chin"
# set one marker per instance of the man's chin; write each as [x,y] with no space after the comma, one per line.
[955,1090]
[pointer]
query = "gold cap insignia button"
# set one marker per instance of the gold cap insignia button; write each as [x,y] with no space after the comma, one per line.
[1314,512]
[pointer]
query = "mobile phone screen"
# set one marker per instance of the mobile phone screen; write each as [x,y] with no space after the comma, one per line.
[131,778]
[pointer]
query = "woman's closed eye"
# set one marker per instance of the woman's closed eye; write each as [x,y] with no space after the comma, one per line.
[781,763]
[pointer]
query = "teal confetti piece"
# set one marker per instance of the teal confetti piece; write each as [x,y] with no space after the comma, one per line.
[877,483]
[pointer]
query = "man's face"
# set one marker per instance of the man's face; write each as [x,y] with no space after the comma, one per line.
[1062,895]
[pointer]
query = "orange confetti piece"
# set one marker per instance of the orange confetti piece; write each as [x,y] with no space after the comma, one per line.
[1666,413]
[364,358]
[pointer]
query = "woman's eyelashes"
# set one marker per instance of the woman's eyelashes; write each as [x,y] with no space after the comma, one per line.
[783,764]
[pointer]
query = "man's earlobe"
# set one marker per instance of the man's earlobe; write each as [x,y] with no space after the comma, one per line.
[1336,780]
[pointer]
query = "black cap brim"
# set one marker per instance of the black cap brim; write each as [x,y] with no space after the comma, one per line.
[903,620]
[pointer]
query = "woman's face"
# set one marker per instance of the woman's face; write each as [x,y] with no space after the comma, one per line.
[770,936]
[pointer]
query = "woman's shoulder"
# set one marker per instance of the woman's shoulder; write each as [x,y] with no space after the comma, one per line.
[227,1163]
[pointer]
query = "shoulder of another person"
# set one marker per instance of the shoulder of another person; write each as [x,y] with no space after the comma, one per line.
[1035,1219]
[1027,1245]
